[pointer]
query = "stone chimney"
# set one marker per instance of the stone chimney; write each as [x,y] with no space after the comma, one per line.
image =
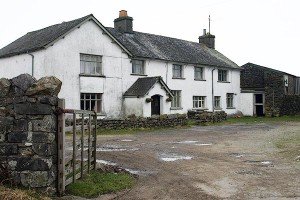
[207,39]
[123,22]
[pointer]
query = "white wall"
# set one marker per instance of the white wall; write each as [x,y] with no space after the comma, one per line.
[247,104]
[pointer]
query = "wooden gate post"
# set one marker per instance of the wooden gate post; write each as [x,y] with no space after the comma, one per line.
[61,147]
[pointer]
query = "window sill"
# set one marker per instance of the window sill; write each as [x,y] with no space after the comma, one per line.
[200,109]
[230,108]
[217,108]
[223,82]
[91,75]
[178,78]
[176,108]
[138,74]
[199,79]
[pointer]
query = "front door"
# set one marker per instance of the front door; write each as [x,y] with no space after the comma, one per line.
[155,105]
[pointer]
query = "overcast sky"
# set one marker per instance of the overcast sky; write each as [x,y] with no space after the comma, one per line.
[264,32]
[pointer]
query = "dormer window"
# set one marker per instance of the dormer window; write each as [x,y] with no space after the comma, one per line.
[138,67]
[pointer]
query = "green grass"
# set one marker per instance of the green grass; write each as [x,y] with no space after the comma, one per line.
[253,120]
[289,145]
[97,183]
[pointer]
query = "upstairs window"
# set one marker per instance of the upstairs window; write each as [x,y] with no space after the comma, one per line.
[222,75]
[199,102]
[229,100]
[90,64]
[91,101]
[177,71]
[198,73]
[176,101]
[138,67]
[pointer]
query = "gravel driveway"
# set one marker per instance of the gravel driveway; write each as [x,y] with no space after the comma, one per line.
[206,162]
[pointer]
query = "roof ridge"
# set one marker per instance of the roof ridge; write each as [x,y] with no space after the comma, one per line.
[79,19]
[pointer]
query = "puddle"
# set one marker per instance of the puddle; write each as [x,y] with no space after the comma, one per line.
[266,162]
[187,142]
[126,140]
[204,144]
[109,148]
[106,162]
[173,157]
[236,155]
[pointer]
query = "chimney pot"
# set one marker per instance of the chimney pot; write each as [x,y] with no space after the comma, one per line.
[123,13]
[204,31]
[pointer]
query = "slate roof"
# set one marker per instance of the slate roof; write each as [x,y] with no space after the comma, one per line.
[37,40]
[140,45]
[144,45]
[142,86]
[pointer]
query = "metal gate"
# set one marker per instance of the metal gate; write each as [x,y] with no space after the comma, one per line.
[76,147]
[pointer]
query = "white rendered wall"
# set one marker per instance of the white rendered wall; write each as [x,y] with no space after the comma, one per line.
[247,104]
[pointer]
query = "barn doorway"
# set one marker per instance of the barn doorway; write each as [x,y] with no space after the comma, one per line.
[259,105]
[155,105]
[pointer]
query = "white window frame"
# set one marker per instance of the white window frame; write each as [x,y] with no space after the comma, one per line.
[222,75]
[91,101]
[176,101]
[90,64]
[217,102]
[196,73]
[177,71]
[199,102]
[230,100]
[138,67]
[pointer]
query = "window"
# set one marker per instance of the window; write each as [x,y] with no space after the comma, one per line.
[138,67]
[91,101]
[198,75]
[177,71]
[198,102]
[176,101]
[217,102]
[90,64]
[222,75]
[229,100]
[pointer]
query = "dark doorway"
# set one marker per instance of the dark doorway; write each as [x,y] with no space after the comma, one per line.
[259,110]
[259,105]
[155,105]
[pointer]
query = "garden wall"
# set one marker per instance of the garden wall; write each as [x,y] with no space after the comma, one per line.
[202,117]
[28,125]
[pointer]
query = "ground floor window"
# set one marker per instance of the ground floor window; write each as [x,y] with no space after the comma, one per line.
[176,101]
[199,101]
[229,100]
[91,101]
[217,102]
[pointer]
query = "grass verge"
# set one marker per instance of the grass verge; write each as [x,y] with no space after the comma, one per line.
[96,183]
[289,146]
[17,194]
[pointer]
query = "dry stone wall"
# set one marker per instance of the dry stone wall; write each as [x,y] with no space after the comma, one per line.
[28,126]
[147,122]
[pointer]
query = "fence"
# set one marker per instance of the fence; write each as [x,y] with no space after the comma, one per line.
[79,158]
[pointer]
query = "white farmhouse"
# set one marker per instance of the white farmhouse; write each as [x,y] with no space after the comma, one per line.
[119,72]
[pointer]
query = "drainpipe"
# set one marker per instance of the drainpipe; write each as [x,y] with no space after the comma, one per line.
[32,63]
[212,89]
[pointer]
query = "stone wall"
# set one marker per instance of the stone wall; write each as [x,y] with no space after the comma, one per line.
[28,126]
[203,117]
[147,122]
[290,105]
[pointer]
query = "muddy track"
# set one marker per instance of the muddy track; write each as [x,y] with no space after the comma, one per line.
[218,162]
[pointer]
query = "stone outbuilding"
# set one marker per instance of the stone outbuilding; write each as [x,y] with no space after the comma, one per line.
[266,91]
